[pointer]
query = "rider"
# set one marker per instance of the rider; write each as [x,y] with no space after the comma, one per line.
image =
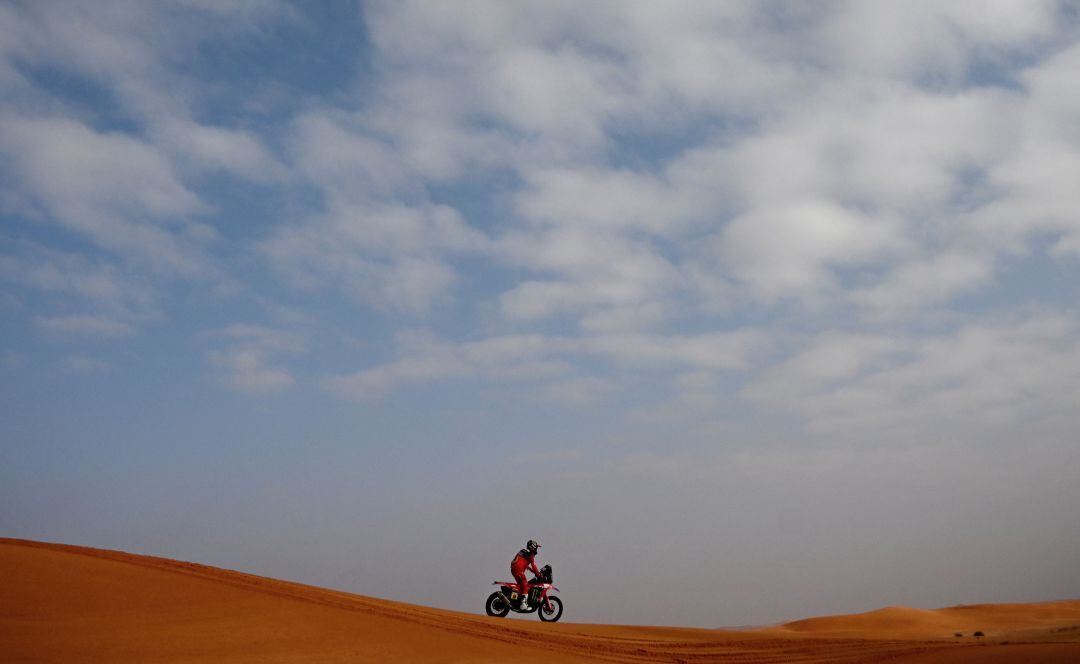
[525,559]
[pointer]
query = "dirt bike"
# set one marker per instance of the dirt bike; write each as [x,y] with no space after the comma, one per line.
[507,598]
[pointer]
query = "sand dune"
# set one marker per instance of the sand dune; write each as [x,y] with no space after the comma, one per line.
[1050,620]
[71,604]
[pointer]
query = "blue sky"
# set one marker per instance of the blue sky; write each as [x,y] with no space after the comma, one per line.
[774,300]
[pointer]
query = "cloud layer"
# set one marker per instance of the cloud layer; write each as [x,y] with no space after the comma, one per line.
[559,194]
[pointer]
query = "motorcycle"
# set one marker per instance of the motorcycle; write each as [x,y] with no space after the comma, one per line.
[507,598]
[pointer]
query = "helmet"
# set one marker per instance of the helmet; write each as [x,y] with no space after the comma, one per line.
[532,546]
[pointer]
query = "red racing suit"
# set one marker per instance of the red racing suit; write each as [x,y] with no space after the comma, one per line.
[521,562]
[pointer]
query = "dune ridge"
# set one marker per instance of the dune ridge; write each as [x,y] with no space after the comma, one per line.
[67,603]
[994,620]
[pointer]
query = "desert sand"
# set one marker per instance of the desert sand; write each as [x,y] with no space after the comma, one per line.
[61,603]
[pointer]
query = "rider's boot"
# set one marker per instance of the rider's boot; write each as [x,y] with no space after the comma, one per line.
[524,602]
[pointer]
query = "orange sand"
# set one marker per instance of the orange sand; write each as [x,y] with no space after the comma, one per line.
[71,604]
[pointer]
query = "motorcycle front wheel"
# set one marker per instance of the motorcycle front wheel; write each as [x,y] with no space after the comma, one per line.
[553,610]
[496,605]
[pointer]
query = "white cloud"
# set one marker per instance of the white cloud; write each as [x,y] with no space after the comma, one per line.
[247,371]
[339,157]
[577,391]
[935,280]
[132,50]
[933,39]
[528,89]
[99,134]
[535,357]
[74,165]
[250,354]
[86,281]
[829,358]
[110,300]
[600,274]
[1070,244]
[379,238]
[985,375]
[791,248]
[216,148]
[389,255]
[248,10]
[86,325]
[863,175]
[1037,179]
[604,199]
[114,189]
[713,350]
[566,72]
[425,359]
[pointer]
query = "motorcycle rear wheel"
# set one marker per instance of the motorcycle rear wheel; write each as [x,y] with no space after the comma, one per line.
[496,605]
[556,610]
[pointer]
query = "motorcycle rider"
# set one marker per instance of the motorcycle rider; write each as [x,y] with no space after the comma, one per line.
[525,559]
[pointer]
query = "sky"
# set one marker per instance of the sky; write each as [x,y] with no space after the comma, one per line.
[747,311]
